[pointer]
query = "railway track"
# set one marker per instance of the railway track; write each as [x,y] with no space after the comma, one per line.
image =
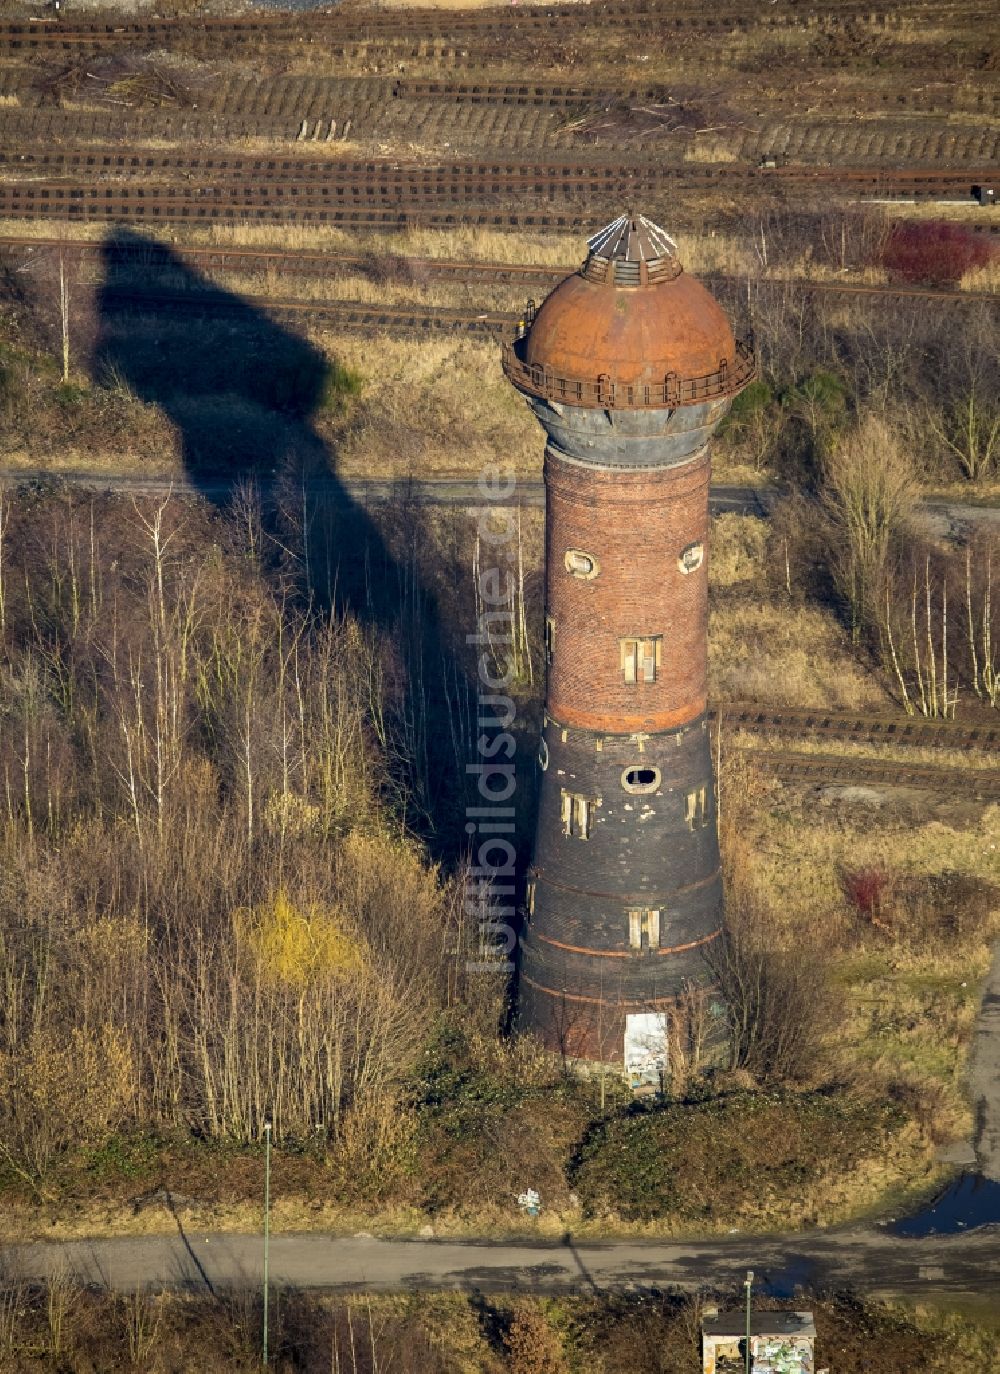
[292,106]
[645,18]
[387,195]
[149,257]
[308,95]
[372,177]
[353,315]
[299,263]
[972,784]
[299,116]
[857,727]
[156,208]
[340,314]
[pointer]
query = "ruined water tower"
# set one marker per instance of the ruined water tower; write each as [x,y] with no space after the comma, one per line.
[629,365]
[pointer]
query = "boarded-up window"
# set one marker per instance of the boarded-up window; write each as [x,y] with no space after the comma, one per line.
[695,809]
[644,927]
[646,1048]
[640,658]
[578,814]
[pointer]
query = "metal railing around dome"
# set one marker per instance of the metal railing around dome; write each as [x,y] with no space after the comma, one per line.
[605,393]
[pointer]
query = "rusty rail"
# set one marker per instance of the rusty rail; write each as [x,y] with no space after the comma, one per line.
[636,16]
[857,727]
[973,784]
[149,256]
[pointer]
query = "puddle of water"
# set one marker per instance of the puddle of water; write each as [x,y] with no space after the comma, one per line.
[798,1275]
[969,1202]
[292,5]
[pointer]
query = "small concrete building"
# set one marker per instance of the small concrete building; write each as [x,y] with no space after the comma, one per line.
[780,1343]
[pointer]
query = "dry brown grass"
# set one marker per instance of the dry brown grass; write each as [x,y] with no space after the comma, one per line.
[128,460]
[431,407]
[961,212]
[787,656]
[702,253]
[762,648]
[982,278]
[806,268]
[876,753]
[352,285]
[911,1002]
[711,147]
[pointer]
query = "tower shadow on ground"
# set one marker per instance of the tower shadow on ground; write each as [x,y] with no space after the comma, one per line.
[244,394]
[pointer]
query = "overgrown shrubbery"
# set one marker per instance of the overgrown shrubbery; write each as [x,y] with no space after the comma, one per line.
[717,1159]
[921,611]
[209,912]
[75,1330]
[493,1119]
[920,909]
[780,1005]
[934,252]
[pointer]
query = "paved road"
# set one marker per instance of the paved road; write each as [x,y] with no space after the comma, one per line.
[984,1075]
[964,1267]
[945,517]
[441,491]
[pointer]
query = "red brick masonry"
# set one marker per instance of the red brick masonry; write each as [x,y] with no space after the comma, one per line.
[636,524]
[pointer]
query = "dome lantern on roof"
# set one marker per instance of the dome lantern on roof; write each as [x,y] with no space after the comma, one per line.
[631,251]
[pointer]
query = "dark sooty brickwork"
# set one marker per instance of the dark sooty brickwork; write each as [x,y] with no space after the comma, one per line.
[625,893]
[579,975]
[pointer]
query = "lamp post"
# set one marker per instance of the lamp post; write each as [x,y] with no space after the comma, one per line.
[748,1285]
[267,1221]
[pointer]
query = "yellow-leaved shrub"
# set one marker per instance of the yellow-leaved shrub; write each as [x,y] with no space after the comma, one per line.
[297,945]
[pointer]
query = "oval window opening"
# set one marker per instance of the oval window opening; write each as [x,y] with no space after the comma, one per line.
[641,779]
[691,558]
[543,756]
[581,564]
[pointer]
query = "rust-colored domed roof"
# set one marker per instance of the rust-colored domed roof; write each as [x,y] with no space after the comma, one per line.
[630,326]
[635,334]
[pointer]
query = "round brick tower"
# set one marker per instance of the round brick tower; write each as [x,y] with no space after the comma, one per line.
[629,365]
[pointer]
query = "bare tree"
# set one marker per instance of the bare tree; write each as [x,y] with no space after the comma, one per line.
[966,422]
[781,1007]
[868,494]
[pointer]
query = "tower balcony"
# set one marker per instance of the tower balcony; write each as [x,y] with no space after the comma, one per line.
[606,392]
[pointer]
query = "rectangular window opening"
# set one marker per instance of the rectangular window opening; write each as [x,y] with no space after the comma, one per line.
[644,928]
[640,658]
[578,814]
[696,808]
